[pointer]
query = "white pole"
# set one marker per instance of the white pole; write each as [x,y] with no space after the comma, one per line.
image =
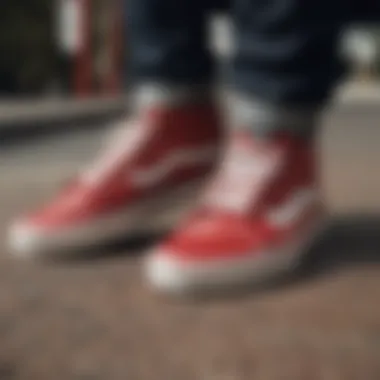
[69,31]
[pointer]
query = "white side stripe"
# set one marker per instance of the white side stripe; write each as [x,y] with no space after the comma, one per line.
[121,145]
[177,159]
[292,209]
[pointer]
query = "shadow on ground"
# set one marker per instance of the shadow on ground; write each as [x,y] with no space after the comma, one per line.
[127,247]
[347,242]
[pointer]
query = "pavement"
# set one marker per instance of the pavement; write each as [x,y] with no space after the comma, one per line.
[21,118]
[26,119]
[25,110]
[94,318]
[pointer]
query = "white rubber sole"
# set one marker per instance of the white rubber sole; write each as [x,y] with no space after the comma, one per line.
[168,274]
[152,215]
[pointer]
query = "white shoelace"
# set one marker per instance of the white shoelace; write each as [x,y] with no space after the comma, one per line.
[241,179]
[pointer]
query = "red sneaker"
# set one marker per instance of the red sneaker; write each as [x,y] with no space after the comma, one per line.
[128,189]
[256,220]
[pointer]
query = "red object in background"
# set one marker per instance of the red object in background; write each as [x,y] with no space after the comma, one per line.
[113,81]
[85,56]
[83,59]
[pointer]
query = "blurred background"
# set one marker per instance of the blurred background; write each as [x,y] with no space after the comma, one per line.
[76,47]
[61,47]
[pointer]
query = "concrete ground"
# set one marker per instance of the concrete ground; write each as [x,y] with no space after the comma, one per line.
[95,319]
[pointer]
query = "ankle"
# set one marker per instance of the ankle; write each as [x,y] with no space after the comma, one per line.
[265,119]
[152,95]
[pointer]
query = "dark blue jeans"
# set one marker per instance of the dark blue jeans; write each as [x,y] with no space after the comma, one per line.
[286,50]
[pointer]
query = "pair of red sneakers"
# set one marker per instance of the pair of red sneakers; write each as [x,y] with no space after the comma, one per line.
[254,220]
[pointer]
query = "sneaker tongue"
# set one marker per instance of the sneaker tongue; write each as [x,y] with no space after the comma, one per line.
[248,167]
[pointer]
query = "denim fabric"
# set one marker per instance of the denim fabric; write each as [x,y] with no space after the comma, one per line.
[286,50]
